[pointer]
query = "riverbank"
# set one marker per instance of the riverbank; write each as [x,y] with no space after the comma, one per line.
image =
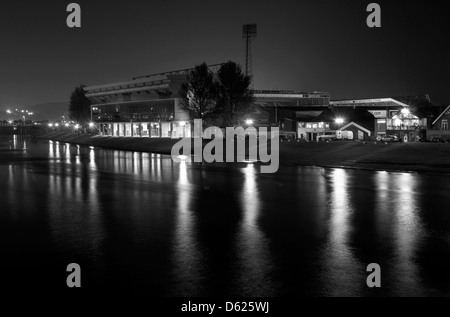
[420,157]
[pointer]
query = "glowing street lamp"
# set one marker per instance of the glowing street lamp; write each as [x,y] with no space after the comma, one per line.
[8,111]
[67,125]
[405,111]
[249,122]
[339,121]
[91,124]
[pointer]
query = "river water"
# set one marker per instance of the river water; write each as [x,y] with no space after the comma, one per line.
[138,222]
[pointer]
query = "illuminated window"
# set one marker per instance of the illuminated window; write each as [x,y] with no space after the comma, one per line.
[444,125]
[314,125]
[321,125]
[309,126]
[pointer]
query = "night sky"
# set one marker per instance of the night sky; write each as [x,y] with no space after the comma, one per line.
[301,45]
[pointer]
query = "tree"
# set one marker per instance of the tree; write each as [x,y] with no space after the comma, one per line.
[200,91]
[79,106]
[235,97]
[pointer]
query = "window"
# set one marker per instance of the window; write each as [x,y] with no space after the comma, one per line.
[308,125]
[444,125]
[381,125]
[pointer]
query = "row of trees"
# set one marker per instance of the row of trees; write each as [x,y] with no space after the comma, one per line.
[225,99]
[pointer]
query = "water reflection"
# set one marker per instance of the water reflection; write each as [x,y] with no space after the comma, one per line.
[17,143]
[254,262]
[187,255]
[73,194]
[408,232]
[342,269]
[140,221]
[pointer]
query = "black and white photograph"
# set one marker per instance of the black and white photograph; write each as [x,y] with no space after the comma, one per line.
[227,155]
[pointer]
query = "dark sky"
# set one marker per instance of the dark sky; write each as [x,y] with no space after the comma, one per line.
[301,45]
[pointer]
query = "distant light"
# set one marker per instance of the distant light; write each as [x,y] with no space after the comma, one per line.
[249,122]
[405,111]
[50,124]
[339,120]
[66,124]
[91,124]
[56,124]
[77,126]
[10,121]
[22,111]
[31,113]
[182,123]
[8,111]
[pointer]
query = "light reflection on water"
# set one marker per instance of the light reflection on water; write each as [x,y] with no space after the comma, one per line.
[343,269]
[187,257]
[251,243]
[140,221]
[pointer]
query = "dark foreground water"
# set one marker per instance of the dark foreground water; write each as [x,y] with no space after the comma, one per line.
[139,222]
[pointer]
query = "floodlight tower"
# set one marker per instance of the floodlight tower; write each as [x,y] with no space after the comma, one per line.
[249,34]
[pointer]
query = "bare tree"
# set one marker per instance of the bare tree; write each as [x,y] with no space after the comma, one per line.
[235,97]
[201,98]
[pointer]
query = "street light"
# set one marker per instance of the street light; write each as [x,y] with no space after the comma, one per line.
[249,122]
[339,121]
[405,111]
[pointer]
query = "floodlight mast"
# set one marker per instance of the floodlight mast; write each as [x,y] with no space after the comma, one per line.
[249,34]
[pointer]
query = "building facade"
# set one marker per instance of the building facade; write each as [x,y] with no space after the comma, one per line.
[146,107]
[440,127]
[151,106]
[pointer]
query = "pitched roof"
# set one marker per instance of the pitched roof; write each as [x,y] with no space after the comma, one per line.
[356,125]
[446,109]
